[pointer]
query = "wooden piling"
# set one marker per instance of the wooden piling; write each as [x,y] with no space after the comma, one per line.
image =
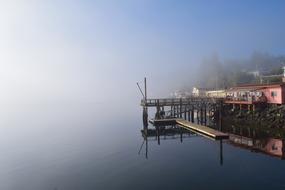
[220,115]
[201,114]
[205,115]
[180,115]
[188,115]
[192,114]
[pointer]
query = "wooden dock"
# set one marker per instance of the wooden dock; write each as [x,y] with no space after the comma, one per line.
[179,101]
[203,130]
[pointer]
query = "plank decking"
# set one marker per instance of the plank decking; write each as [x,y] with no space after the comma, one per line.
[204,130]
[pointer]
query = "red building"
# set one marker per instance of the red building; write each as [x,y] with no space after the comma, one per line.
[252,94]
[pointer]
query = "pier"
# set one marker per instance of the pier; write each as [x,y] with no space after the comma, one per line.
[192,113]
[189,108]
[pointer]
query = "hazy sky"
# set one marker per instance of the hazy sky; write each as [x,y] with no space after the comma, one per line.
[93,50]
[57,57]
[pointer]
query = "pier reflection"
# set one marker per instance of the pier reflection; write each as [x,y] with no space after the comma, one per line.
[256,141]
[173,132]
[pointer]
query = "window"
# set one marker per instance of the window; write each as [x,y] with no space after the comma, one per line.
[273,94]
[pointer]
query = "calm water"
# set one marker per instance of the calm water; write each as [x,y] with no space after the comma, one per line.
[84,146]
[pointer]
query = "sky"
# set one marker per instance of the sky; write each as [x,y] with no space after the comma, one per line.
[96,51]
[63,63]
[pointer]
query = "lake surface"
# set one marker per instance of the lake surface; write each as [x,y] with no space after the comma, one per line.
[86,146]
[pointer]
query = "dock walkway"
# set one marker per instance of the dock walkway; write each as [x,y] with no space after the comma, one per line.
[204,130]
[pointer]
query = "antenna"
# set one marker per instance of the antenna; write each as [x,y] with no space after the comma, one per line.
[145,88]
[140,90]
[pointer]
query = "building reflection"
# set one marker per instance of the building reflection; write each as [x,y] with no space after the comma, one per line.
[256,141]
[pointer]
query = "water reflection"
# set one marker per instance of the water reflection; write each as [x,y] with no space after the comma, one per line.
[257,141]
[173,132]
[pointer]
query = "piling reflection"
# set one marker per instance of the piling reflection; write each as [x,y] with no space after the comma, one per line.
[256,141]
[172,132]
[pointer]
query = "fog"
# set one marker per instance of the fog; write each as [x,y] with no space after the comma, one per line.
[90,52]
[77,53]
[68,72]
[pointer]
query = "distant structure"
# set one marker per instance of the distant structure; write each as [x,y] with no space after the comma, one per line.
[263,78]
[248,96]
[254,73]
[180,94]
[216,93]
[221,93]
[283,78]
[199,91]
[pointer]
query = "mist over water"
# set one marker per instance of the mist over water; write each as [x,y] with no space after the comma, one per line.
[47,142]
[87,146]
[70,115]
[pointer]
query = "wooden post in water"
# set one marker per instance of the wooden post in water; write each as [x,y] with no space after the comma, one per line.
[181,135]
[157,115]
[146,148]
[221,152]
[205,116]
[172,109]
[201,114]
[145,109]
[220,116]
[188,113]
[158,135]
[283,149]
[248,131]
[192,114]
[180,115]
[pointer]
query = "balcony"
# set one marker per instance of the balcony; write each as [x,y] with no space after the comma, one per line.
[245,100]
